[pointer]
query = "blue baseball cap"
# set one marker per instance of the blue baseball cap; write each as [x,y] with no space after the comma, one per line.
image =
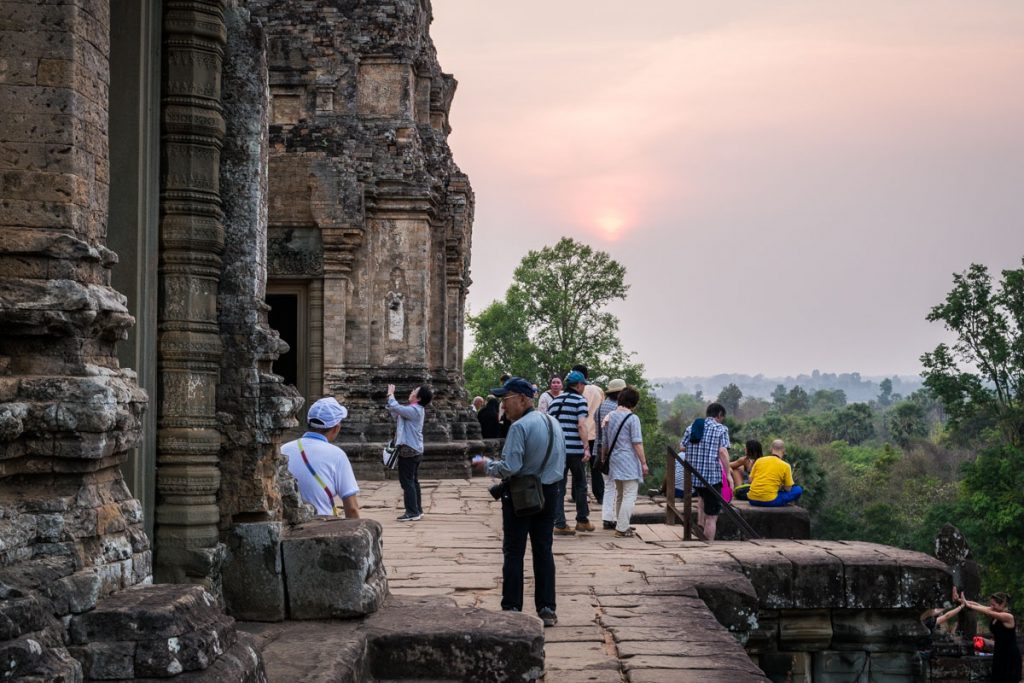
[326,413]
[515,385]
[575,377]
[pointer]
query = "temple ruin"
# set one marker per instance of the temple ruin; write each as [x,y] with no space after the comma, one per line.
[212,211]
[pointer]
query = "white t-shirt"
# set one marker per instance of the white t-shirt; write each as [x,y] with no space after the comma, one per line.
[329,462]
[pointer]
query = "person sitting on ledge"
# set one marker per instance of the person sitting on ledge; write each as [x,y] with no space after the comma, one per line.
[771,480]
[740,469]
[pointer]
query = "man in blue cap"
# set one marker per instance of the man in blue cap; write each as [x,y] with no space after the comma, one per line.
[571,411]
[532,438]
[321,469]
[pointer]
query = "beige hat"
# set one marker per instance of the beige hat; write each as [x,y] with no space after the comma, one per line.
[615,385]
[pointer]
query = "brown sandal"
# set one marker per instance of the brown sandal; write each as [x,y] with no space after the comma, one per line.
[629,533]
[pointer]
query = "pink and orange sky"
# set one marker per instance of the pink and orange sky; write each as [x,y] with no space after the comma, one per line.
[790,185]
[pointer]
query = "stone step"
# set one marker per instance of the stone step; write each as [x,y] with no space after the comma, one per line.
[159,632]
[421,639]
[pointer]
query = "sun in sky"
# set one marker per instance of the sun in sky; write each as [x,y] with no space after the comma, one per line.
[610,223]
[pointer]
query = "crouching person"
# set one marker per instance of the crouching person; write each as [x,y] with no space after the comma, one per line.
[771,480]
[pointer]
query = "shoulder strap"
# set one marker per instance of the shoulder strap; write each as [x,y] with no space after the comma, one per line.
[619,431]
[561,405]
[551,443]
[327,490]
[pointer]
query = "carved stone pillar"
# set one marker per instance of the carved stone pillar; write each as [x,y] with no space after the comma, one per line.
[192,241]
[70,532]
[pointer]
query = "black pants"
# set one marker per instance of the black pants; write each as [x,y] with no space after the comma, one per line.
[408,477]
[596,478]
[575,465]
[538,528]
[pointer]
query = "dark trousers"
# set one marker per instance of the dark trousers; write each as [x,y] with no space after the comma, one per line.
[596,478]
[538,529]
[408,477]
[573,464]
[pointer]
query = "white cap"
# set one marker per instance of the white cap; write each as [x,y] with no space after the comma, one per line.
[326,413]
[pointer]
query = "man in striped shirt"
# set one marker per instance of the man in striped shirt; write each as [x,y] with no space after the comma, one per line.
[570,409]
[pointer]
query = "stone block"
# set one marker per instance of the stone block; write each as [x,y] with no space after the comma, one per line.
[333,569]
[849,667]
[423,639]
[253,572]
[732,600]
[145,613]
[878,630]
[805,630]
[107,661]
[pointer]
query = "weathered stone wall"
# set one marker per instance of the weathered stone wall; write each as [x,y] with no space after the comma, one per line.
[253,405]
[70,532]
[359,158]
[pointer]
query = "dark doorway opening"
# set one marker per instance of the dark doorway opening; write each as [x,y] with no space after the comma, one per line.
[284,317]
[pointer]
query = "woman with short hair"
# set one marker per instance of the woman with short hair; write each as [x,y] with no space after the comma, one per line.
[628,464]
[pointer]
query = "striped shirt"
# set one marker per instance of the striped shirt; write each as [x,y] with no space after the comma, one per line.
[703,456]
[607,407]
[568,408]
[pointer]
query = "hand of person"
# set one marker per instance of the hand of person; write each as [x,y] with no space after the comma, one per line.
[645,469]
[586,456]
[479,463]
[391,390]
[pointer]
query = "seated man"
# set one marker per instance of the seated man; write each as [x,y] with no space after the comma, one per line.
[771,480]
[321,469]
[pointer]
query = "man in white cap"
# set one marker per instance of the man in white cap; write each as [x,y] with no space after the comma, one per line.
[322,469]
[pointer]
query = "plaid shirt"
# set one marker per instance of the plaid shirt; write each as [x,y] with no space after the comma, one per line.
[703,456]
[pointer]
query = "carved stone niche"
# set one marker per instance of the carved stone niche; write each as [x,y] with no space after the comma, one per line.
[385,88]
[295,253]
[287,105]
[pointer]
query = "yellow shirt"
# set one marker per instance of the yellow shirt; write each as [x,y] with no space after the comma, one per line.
[770,473]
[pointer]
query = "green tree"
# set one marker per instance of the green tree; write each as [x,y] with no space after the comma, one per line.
[824,400]
[797,401]
[779,395]
[853,424]
[982,372]
[730,397]
[885,392]
[992,517]
[906,422]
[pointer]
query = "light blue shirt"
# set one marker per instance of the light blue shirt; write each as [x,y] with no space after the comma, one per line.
[410,424]
[625,465]
[526,445]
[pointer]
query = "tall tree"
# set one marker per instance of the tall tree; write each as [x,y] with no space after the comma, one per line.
[982,372]
[554,315]
[730,397]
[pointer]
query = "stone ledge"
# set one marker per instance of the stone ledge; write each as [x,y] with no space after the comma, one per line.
[789,522]
[408,638]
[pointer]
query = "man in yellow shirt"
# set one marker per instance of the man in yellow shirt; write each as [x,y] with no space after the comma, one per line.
[771,480]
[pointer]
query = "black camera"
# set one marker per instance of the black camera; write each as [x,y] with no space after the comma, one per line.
[498,490]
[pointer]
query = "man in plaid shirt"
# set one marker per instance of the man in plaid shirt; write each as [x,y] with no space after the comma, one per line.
[710,457]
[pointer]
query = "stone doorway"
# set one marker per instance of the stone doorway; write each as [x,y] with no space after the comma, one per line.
[289,315]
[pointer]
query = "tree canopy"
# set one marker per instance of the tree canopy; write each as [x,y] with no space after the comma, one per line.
[982,372]
[554,316]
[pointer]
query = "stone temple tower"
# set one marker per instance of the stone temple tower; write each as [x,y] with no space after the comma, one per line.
[369,219]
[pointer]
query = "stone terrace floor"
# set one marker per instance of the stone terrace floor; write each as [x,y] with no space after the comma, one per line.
[626,607]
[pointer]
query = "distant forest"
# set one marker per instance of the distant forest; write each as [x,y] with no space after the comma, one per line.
[857,389]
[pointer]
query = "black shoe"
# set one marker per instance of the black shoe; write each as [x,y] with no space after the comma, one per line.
[608,526]
[548,616]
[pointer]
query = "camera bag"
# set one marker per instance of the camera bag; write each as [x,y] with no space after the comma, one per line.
[526,490]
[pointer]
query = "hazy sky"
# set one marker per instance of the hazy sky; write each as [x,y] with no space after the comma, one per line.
[790,185]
